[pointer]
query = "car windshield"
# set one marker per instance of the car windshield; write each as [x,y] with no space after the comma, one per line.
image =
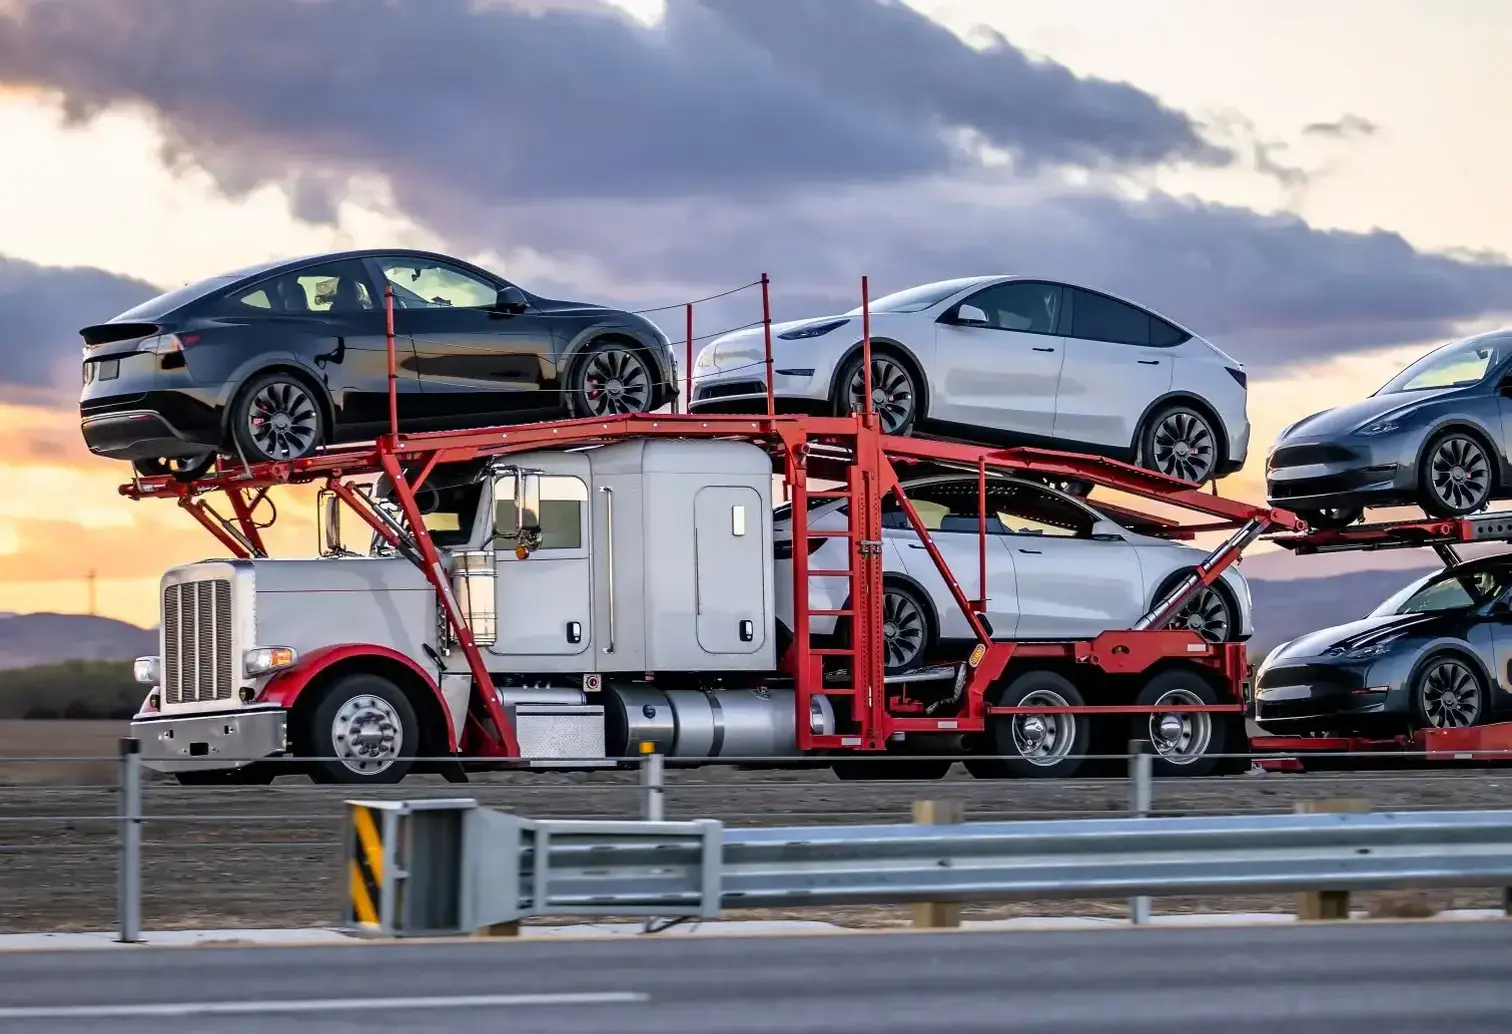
[1458,364]
[1459,588]
[917,299]
[163,304]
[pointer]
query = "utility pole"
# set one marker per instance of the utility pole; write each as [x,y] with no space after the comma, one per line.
[94,610]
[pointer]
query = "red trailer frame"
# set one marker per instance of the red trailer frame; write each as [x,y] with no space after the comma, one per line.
[1478,743]
[849,450]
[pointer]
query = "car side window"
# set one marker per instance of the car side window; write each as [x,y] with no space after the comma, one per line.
[1096,317]
[427,284]
[949,506]
[564,504]
[1031,308]
[1165,335]
[1030,510]
[337,287]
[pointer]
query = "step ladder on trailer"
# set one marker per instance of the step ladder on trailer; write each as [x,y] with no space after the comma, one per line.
[1479,743]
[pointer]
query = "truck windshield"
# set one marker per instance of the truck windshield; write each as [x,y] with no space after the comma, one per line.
[450,517]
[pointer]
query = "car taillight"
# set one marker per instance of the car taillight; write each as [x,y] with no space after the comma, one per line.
[1238,375]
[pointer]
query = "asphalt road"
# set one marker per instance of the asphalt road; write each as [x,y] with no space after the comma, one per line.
[224,857]
[1327,979]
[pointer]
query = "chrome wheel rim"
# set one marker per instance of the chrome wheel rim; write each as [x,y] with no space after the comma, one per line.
[1184,446]
[1043,739]
[1451,696]
[615,382]
[892,393]
[367,734]
[1459,474]
[903,630]
[283,421]
[1180,737]
[1207,614]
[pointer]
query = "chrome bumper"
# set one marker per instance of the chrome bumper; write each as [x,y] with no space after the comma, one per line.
[211,741]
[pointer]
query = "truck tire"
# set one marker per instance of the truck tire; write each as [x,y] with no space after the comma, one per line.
[362,730]
[1036,746]
[1185,744]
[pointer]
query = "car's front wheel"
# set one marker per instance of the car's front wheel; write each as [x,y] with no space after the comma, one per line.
[612,379]
[1448,693]
[1181,441]
[1456,475]
[894,395]
[276,416]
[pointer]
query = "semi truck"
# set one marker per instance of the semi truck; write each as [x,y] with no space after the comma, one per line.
[569,594]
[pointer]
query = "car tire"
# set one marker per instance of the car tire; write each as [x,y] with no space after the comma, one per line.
[1456,475]
[1448,693]
[277,417]
[894,389]
[1190,744]
[1036,746]
[1210,612]
[1332,518]
[612,378]
[1181,441]
[912,638]
[181,468]
[374,709]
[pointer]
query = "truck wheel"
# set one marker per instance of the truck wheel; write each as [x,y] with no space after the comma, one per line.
[363,730]
[1186,744]
[1041,746]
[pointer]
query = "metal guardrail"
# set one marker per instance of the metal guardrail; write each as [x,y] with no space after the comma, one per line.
[482,868]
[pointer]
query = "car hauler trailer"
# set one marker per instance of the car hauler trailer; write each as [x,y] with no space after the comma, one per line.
[1476,744]
[474,642]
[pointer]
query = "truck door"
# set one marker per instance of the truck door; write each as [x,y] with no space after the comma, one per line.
[545,602]
[731,561]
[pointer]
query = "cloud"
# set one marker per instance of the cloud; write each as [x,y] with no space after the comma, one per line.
[41,311]
[505,101]
[816,141]
[1346,127]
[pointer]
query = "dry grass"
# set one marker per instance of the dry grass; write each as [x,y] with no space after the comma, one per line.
[66,745]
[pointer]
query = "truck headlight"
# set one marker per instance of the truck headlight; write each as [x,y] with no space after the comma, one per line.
[268,658]
[146,670]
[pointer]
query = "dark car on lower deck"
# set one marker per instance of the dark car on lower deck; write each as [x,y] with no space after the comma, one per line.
[1436,654]
[270,362]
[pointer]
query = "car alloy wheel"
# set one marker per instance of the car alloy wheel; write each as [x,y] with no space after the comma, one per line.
[1183,445]
[1459,475]
[893,394]
[1449,695]
[1207,614]
[283,422]
[615,382]
[904,630]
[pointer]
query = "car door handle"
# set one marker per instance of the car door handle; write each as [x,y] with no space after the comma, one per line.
[1149,362]
[1031,552]
[1037,348]
[916,545]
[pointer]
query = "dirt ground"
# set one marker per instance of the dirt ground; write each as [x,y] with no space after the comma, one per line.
[220,857]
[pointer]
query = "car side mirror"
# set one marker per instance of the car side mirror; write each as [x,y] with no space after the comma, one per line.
[970,316]
[510,299]
[1107,530]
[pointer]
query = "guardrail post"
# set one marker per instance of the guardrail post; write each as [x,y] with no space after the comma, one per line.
[129,888]
[1323,905]
[652,808]
[935,915]
[1141,800]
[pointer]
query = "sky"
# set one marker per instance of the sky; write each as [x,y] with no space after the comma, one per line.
[1319,188]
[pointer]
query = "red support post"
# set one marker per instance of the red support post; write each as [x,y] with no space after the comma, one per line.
[797,480]
[688,370]
[866,351]
[982,535]
[393,366]
[766,331]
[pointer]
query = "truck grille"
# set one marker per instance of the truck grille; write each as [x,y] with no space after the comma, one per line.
[197,641]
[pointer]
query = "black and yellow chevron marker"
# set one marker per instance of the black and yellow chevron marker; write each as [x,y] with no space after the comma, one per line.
[365,878]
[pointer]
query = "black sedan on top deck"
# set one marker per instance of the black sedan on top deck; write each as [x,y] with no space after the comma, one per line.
[1435,654]
[270,362]
[1438,435]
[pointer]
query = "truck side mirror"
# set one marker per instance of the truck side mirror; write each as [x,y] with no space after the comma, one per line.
[328,525]
[527,507]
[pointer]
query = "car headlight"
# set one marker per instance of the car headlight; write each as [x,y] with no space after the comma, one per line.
[817,330]
[1363,653]
[266,659]
[146,670]
[705,360]
[1380,427]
